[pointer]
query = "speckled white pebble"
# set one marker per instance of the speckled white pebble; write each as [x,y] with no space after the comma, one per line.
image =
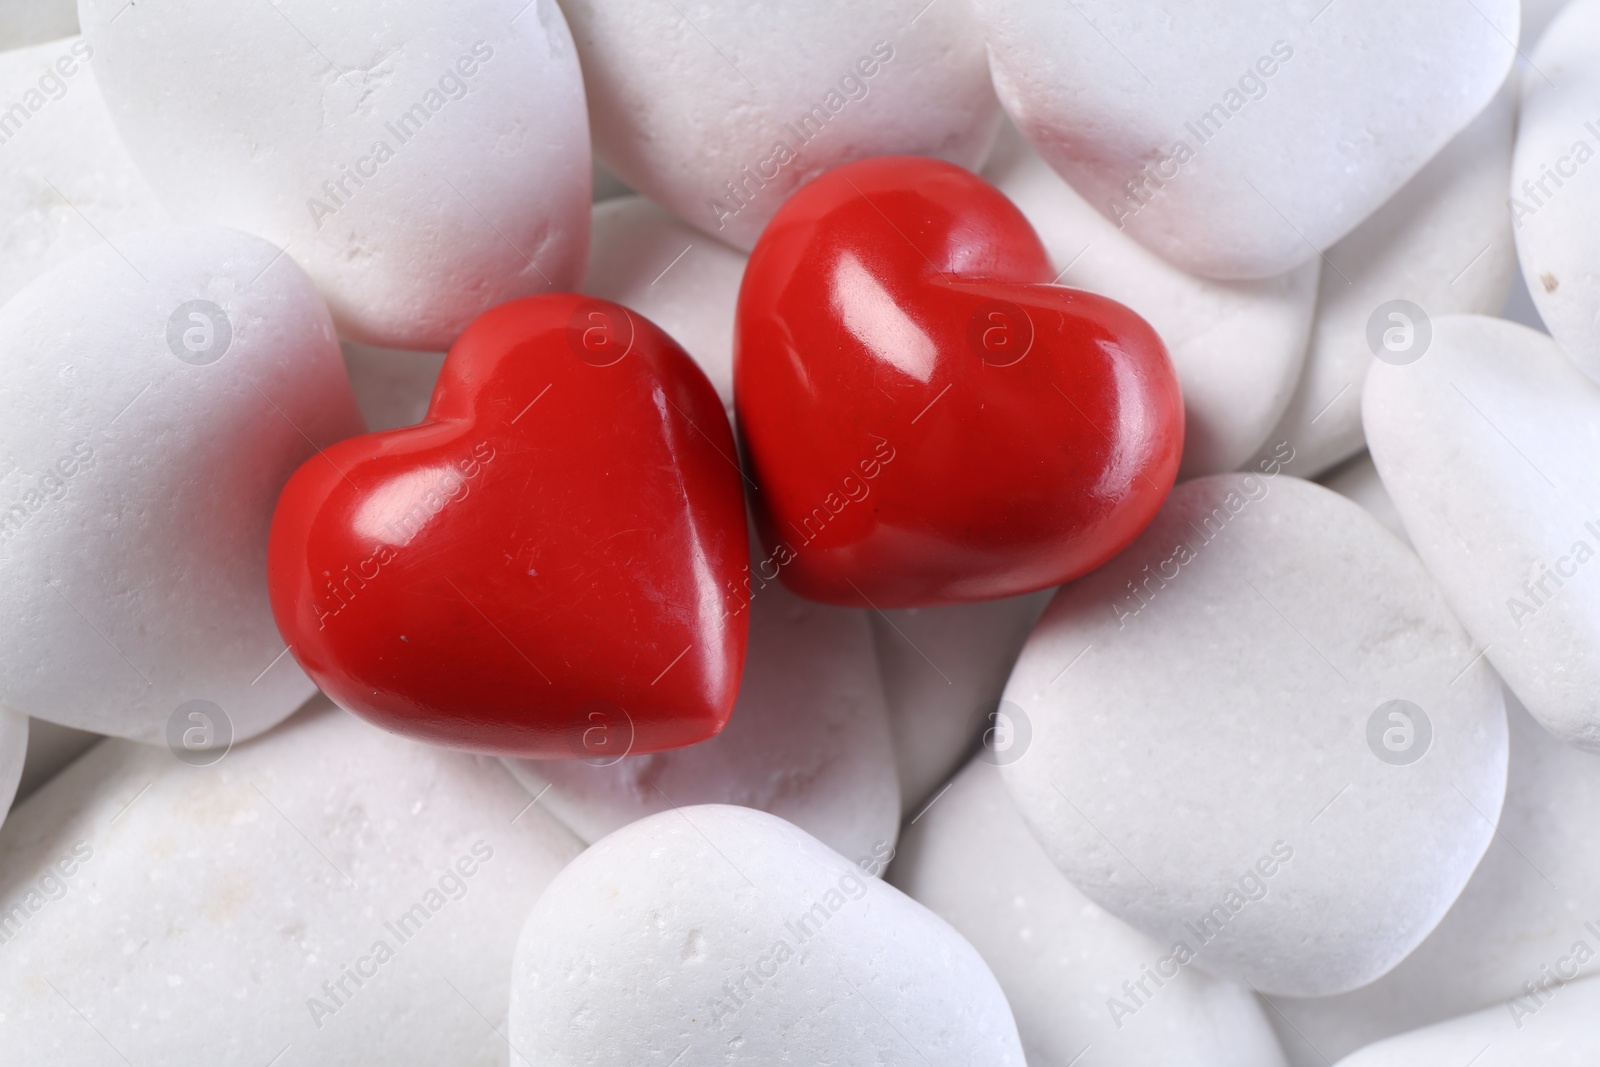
[808,741]
[943,671]
[1216,756]
[1486,444]
[1561,1034]
[1237,346]
[1531,913]
[1238,139]
[683,281]
[67,184]
[1443,243]
[327,893]
[153,400]
[13,753]
[719,110]
[1081,982]
[712,930]
[1555,181]
[423,162]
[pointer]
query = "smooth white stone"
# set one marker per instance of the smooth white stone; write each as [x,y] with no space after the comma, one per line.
[1562,1034]
[67,184]
[1486,446]
[944,669]
[644,258]
[643,942]
[1531,904]
[1358,479]
[392,386]
[1237,346]
[249,115]
[689,102]
[1536,18]
[1443,243]
[1061,959]
[25,22]
[207,906]
[51,747]
[13,755]
[808,741]
[1558,222]
[139,487]
[1290,162]
[1209,753]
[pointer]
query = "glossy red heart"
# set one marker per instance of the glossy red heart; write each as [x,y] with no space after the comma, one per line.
[928,420]
[541,567]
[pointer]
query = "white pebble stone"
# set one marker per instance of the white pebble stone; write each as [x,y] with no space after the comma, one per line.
[1295,120]
[644,258]
[1562,1034]
[1443,243]
[1536,18]
[1555,181]
[423,162]
[153,400]
[392,385]
[1225,765]
[713,931]
[944,669]
[13,754]
[201,909]
[67,184]
[808,741]
[51,747]
[1358,479]
[720,110]
[1485,444]
[1237,346]
[25,22]
[1530,914]
[1062,960]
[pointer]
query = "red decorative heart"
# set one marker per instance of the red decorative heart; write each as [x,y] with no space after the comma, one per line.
[929,421]
[540,568]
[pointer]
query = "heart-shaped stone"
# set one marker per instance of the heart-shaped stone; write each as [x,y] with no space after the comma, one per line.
[943,671]
[1082,983]
[1529,916]
[1555,181]
[1562,1033]
[719,110]
[808,741]
[68,184]
[1238,140]
[546,565]
[710,928]
[687,283]
[13,753]
[1259,733]
[1237,346]
[332,877]
[1441,245]
[154,398]
[928,420]
[1485,445]
[422,162]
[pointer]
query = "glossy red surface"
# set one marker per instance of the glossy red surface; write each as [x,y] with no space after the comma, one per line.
[927,419]
[540,568]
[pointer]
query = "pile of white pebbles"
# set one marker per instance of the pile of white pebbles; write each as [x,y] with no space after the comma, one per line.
[1307,775]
